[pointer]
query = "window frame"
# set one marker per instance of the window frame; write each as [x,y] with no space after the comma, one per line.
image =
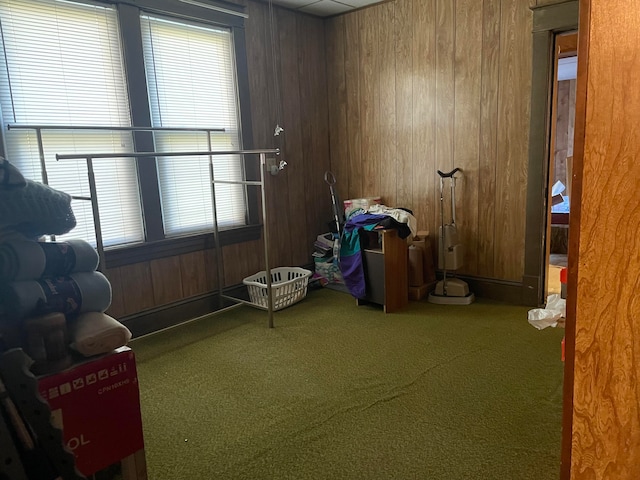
[156,244]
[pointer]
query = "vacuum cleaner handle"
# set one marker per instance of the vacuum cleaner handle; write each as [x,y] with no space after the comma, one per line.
[449,174]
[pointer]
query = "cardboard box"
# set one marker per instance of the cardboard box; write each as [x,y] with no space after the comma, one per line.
[353,203]
[418,293]
[421,240]
[97,404]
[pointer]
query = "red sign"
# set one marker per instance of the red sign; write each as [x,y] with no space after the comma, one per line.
[97,403]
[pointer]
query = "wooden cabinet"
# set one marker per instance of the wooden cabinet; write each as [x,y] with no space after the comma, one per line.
[386,270]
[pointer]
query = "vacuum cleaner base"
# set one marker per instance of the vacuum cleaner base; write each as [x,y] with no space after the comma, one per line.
[446,300]
[457,293]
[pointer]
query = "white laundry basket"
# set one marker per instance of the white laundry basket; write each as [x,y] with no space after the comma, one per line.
[288,284]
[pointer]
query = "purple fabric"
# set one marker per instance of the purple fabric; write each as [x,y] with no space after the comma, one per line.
[351,265]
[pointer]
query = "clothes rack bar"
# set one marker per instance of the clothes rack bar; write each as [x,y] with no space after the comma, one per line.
[90,157]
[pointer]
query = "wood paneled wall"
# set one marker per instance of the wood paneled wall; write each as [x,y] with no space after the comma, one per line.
[565,124]
[420,85]
[298,199]
[603,305]
[290,90]
[159,282]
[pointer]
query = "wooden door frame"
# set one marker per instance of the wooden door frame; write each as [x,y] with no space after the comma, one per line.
[548,21]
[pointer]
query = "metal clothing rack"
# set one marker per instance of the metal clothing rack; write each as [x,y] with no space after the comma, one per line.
[90,157]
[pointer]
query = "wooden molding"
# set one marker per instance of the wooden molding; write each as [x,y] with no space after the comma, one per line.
[556,18]
[548,21]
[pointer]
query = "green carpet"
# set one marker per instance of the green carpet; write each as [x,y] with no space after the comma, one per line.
[337,391]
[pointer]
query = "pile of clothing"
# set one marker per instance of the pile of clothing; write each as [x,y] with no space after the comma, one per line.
[360,221]
[51,296]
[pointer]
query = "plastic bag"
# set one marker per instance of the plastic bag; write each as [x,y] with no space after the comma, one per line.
[548,316]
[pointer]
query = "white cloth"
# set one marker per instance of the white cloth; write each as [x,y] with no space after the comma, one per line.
[401,216]
[550,315]
[94,333]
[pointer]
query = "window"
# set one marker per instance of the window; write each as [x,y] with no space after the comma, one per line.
[190,75]
[63,63]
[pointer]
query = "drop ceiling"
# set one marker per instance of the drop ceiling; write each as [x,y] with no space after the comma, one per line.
[324,8]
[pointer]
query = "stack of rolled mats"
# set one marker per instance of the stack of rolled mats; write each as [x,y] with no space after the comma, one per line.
[54,297]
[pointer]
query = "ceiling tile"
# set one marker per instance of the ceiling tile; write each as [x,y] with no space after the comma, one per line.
[325,8]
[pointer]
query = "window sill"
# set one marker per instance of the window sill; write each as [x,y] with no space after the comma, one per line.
[144,252]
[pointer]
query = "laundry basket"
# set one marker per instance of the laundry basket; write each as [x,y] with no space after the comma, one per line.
[288,284]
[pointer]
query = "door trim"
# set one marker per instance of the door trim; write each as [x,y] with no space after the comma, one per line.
[548,21]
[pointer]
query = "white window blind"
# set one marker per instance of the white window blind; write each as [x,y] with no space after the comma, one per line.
[62,65]
[191,79]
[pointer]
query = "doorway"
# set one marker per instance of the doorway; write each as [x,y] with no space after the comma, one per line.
[563,108]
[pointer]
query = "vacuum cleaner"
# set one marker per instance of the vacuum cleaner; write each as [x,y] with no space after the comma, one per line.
[450,291]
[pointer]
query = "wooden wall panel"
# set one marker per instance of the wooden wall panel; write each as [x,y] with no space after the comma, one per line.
[488,149]
[445,102]
[564,132]
[352,83]
[466,135]
[238,269]
[211,269]
[387,160]
[293,148]
[146,285]
[262,84]
[320,151]
[513,139]
[298,198]
[193,274]
[404,101]
[424,120]
[336,85]
[369,98]
[278,186]
[445,85]
[315,137]
[603,305]
[166,279]
[562,129]
[260,75]
[241,260]
[137,288]
[116,310]
[461,88]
